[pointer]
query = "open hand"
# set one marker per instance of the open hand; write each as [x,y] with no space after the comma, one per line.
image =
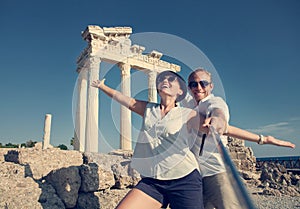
[98,83]
[218,123]
[278,142]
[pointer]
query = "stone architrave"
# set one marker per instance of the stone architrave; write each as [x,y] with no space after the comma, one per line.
[125,114]
[47,130]
[92,114]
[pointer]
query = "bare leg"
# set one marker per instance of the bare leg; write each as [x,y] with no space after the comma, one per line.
[136,199]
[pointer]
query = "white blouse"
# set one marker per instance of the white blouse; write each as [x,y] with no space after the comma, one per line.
[163,147]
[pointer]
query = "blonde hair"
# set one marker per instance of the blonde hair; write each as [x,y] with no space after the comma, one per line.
[199,70]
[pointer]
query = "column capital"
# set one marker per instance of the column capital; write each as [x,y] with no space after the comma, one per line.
[88,63]
[125,69]
[152,75]
[93,60]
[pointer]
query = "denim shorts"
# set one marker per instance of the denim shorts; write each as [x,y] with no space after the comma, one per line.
[182,193]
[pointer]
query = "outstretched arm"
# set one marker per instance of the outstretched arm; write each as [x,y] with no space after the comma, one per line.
[134,105]
[246,135]
[217,120]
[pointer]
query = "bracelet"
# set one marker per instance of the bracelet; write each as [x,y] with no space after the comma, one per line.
[226,128]
[261,140]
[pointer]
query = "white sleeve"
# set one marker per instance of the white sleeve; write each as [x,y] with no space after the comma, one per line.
[188,101]
[219,103]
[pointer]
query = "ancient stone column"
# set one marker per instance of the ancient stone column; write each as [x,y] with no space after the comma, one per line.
[80,120]
[125,114]
[91,132]
[152,93]
[114,46]
[47,129]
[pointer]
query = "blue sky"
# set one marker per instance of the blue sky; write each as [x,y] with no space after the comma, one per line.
[253,45]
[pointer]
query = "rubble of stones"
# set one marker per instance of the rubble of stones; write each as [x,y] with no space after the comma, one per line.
[275,180]
[270,179]
[57,179]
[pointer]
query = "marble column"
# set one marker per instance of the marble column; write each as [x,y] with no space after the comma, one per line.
[125,114]
[80,120]
[152,92]
[92,114]
[47,130]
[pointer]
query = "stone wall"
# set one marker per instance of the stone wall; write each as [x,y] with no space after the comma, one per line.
[243,157]
[54,178]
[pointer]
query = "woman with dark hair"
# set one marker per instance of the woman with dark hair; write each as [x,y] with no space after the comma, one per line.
[169,170]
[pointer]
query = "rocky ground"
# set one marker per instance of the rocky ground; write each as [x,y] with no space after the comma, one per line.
[266,194]
[273,202]
[260,201]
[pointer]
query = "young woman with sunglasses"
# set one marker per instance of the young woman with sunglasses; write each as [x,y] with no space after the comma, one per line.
[162,155]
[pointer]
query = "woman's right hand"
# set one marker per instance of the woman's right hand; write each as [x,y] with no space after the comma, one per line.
[98,83]
[218,123]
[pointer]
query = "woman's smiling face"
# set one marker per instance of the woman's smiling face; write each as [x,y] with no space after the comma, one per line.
[169,85]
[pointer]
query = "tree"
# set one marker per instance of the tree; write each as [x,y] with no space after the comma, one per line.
[72,141]
[10,145]
[62,147]
[30,143]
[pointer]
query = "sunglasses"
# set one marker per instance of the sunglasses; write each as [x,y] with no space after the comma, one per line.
[170,78]
[203,84]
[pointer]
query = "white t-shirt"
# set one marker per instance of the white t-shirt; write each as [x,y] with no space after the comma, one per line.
[163,147]
[210,162]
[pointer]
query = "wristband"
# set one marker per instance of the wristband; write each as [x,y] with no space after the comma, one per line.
[261,140]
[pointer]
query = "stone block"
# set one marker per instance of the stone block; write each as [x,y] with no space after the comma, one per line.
[94,178]
[241,155]
[40,162]
[66,182]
